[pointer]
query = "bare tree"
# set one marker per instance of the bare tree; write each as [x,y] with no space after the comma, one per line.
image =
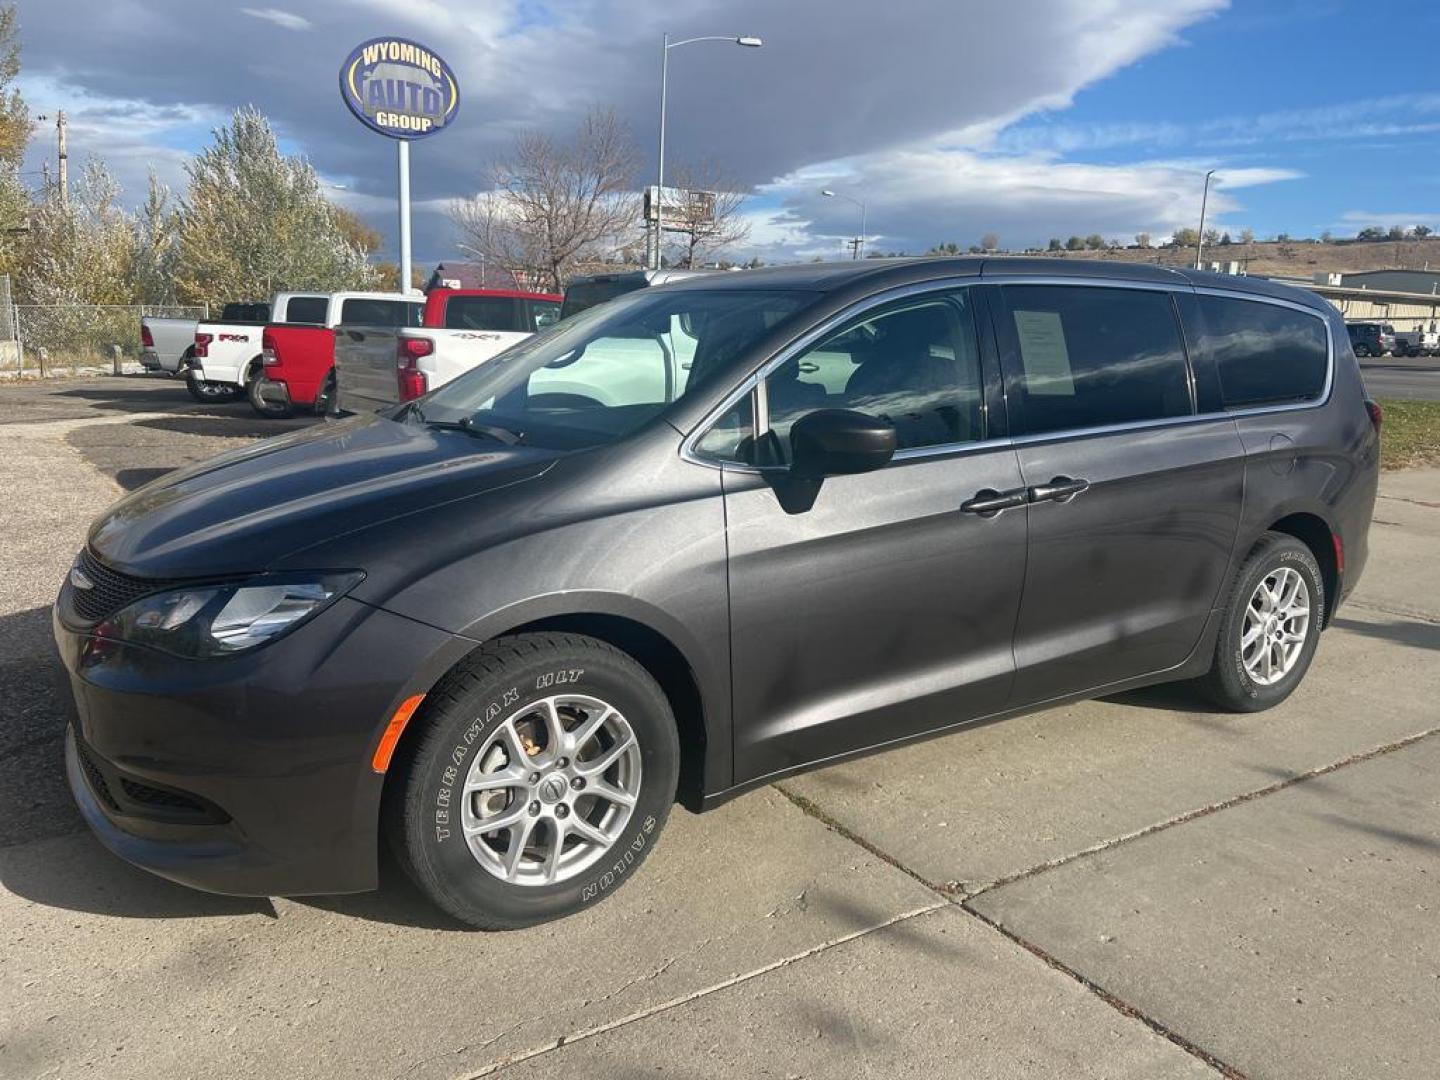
[710,220]
[990,241]
[555,204]
[1142,239]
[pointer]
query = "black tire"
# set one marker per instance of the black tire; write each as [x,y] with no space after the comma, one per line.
[325,398]
[209,393]
[1228,683]
[271,410]
[1362,350]
[497,682]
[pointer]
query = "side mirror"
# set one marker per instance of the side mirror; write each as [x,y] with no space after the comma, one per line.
[835,442]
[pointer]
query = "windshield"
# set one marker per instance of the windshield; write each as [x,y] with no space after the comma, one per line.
[596,378]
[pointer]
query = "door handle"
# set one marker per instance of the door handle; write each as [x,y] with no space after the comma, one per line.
[1061,489]
[988,502]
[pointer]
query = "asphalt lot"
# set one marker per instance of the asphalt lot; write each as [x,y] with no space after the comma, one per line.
[1125,888]
[1416,378]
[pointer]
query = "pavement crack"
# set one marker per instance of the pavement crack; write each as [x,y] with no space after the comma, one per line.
[1414,502]
[812,809]
[1416,616]
[684,999]
[1199,812]
[1120,1005]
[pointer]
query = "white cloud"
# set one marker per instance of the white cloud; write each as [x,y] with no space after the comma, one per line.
[286,20]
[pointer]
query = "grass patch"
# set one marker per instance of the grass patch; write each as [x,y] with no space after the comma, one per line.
[1411,435]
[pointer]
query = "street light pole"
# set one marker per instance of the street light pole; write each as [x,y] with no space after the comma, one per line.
[859,244]
[665,46]
[1200,237]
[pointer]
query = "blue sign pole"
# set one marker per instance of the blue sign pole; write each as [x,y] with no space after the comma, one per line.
[404,91]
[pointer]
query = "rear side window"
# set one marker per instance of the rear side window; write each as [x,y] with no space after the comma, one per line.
[368,311]
[503,314]
[1265,354]
[543,313]
[306,309]
[1085,357]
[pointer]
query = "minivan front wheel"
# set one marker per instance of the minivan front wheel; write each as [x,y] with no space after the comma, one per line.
[542,777]
[1270,626]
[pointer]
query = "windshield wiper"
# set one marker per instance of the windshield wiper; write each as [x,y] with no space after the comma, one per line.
[468,425]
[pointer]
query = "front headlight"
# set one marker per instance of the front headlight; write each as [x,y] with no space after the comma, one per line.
[216,620]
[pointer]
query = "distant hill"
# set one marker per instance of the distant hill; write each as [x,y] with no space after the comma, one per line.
[1289,258]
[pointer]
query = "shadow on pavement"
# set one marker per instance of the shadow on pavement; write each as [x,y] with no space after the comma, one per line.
[1420,635]
[130,479]
[1172,697]
[241,425]
[149,393]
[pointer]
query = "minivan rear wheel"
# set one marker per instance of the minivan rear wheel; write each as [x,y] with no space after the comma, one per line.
[1270,626]
[541,779]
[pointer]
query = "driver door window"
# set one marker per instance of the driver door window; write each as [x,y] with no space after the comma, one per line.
[916,365]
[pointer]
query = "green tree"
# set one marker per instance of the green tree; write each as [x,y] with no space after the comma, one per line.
[1185,237]
[80,248]
[1074,244]
[155,248]
[15,122]
[1054,244]
[1371,232]
[254,222]
[1094,241]
[1421,231]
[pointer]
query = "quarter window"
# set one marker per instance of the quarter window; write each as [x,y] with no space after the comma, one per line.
[1265,354]
[916,366]
[1089,357]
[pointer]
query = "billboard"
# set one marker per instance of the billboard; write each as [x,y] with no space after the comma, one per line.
[399,88]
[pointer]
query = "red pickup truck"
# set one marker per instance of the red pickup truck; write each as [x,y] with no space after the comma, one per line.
[299,361]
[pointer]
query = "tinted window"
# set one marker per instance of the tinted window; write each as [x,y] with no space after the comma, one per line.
[503,314]
[731,436]
[1087,357]
[307,309]
[368,311]
[1264,354]
[916,366]
[584,295]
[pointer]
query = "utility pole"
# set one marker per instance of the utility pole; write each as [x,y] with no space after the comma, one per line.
[64,158]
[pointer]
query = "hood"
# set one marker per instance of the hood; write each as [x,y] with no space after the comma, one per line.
[244,510]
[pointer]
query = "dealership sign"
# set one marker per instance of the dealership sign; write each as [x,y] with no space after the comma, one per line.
[399,88]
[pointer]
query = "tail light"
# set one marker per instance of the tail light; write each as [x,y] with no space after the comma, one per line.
[146,340]
[410,380]
[202,344]
[269,354]
[1377,414]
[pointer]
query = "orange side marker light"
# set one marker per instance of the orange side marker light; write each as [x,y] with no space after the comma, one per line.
[393,730]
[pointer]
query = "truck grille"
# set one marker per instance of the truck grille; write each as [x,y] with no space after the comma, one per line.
[111,589]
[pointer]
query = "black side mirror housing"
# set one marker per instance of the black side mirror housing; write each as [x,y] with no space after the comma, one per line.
[836,442]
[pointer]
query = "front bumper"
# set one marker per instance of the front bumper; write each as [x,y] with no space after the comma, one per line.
[248,775]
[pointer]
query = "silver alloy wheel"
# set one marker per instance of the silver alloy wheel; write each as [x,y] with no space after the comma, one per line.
[1277,621]
[551,790]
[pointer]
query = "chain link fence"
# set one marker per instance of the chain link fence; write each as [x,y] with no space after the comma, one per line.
[76,337]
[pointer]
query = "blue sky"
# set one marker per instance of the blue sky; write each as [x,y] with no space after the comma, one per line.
[1028,118]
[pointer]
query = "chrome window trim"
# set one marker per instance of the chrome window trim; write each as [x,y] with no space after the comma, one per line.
[761,415]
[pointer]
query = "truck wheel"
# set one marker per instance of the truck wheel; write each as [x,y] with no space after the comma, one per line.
[209,393]
[325,403]
[542,778]
[271,410]
[1270,626]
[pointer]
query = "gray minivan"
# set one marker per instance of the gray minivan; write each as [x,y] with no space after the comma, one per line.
[509,625]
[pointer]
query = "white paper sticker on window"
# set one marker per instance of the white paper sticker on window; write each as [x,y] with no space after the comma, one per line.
[1043,354]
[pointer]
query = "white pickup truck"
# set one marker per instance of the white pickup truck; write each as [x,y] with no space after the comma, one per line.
[167,344]
[1422,341]
[379,366]
[228,356]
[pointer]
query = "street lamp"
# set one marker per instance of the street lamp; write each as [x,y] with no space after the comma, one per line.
[667,45]
[859,244]
[1200,238]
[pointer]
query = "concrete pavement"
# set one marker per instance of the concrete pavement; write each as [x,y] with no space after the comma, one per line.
[1134,887]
